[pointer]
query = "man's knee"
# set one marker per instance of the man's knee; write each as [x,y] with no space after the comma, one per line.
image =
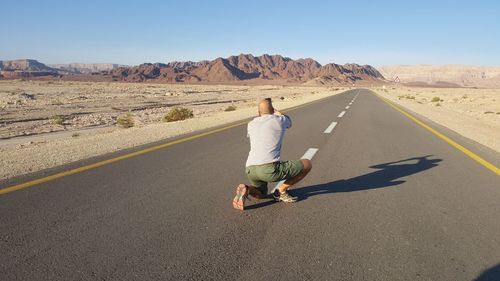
[306,163]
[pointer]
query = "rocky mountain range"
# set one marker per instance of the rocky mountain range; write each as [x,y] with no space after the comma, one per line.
[443,75]
[242,68]
[264,69]
[247,67]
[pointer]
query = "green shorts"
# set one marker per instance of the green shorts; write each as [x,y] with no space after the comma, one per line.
[260,175]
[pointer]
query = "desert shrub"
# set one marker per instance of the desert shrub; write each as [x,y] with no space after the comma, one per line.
[125,121]
[230,108]
[75,135]
[438,104]
[177,114]
[435,99]
[56,120]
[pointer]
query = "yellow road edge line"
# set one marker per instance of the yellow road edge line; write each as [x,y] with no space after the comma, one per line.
[109,161]
[130,155]
[453,143]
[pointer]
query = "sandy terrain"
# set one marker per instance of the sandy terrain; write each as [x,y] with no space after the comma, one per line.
[32,140]
[473,113]
[460,75]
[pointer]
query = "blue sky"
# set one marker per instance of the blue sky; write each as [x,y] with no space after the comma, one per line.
[365,32]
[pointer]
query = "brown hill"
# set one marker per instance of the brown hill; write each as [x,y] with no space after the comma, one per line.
[24,65]
[247,67]
[25,68]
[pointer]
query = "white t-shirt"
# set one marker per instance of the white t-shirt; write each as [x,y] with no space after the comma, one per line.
[266,133]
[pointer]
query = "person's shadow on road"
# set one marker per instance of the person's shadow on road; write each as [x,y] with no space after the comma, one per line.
[386,175]
[491,274]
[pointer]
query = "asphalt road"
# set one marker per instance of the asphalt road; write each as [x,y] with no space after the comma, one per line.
[386,200]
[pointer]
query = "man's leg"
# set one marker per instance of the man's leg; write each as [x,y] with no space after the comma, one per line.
[307,166]
[257,187]
[255,192]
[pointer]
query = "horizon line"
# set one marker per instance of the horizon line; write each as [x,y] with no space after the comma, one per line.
[284,56]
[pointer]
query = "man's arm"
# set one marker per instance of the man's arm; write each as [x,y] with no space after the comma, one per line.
[286,120]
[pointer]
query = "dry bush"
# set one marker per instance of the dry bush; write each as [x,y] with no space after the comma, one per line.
[177,114]
[230,108]
[125,121]
[56,120]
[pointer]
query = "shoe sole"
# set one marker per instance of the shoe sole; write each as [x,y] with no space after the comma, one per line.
[290,201]
[239,199]
[277,199]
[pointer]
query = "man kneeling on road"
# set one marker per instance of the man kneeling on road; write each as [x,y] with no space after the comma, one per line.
[263,165]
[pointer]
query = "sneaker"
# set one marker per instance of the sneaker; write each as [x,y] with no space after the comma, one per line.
[241,196]
[285,197]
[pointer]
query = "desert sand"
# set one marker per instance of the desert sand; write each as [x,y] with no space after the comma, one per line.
[33,141]
[444,75]
[473,113]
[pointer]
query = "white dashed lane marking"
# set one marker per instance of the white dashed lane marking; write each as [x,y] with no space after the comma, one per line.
[330,128]
[347,107]
[341,114]
[308,155]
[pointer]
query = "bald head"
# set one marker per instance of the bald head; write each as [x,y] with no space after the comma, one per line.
[266,107]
